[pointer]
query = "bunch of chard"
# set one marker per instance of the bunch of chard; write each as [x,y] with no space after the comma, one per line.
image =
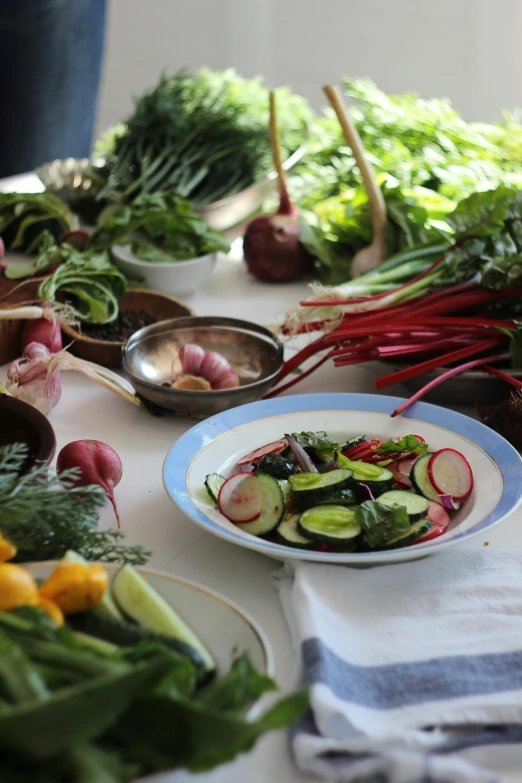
[452,315]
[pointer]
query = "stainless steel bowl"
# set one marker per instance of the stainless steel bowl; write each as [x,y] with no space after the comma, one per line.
[231,212]
[72,178]
[468,388]
[151,357]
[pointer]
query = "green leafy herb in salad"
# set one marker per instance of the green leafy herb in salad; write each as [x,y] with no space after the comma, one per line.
[202,136]
[409,444]
[44,517]
[381,525]
[87,281]
[315,440]
[26,219]
[160,227]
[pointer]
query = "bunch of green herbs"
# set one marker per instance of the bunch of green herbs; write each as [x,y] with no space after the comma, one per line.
[44,516]
[202,136]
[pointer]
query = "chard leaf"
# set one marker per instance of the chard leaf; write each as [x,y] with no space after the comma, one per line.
[315,440]
[407,444]
[381,525]
[481,214]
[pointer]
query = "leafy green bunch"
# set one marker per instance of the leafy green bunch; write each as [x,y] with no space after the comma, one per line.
[44,516]
[160,227]
[202,136]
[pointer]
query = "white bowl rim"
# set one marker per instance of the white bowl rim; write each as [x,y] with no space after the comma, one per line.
[116,250]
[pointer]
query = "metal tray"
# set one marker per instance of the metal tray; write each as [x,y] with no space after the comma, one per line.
[468,389]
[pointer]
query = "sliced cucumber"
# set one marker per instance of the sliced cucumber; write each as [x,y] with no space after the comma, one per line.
[376,477]
[107,604]
[415,505]
[343,497]
[353,442]
[272,507]
[417,530]
[420,479]
[314,488]
[213,483]
[332,524]
[290,535]
[139,601]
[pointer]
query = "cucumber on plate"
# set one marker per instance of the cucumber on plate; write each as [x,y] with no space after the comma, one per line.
[289,534]
[376,478]
[420,478]
[329,524]
[139,601]
[213,483]
[416,505]
[312,488]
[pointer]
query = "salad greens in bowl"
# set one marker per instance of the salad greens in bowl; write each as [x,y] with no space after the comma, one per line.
[366,488]
[160,239]
[103,679]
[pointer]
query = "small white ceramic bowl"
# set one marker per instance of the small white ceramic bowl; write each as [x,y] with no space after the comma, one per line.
[178,278]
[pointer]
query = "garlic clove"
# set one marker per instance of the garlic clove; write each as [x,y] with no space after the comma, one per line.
[214,367]
[229,380]
[191,357]
[191,383]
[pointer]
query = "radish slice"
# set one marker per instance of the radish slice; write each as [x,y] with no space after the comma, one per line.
[240,498]
[451,474]
[401,480]
[271,448]
[404,465]
[439,519]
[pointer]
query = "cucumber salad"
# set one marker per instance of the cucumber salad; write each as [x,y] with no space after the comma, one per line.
[308,491]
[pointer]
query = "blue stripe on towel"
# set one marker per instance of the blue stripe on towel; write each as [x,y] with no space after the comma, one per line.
[398,685]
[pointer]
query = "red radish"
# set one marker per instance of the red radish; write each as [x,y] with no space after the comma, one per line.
[240,498]
[254,456]
[439,519]
[271,245]
[77,239]
[450,473]
[45,331]
[363,450]
[98,462]
[402,470]
[2,248]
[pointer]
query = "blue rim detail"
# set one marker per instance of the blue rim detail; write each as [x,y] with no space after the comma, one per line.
[181,454]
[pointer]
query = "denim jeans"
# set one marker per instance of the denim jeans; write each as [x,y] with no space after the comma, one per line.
[50,63]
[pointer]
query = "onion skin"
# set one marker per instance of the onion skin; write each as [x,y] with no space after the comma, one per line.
[272,250]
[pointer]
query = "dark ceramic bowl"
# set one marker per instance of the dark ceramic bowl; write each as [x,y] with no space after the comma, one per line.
[21,423]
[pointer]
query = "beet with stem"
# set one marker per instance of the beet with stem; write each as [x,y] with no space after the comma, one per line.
[98,463]
[271,246]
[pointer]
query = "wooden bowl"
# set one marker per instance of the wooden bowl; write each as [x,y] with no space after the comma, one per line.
[22,423]
[11,331]
[109,353]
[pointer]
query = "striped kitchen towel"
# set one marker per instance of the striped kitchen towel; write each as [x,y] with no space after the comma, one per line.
[415,669]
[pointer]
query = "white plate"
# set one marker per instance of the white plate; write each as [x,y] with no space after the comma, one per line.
[222,626]
[215,445]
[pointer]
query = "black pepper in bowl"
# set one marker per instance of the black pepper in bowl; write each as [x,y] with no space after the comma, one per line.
[127,322]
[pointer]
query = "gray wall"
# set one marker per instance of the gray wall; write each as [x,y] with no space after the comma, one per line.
[468,50]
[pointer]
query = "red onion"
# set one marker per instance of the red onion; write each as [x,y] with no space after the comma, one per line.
[302,457]
[367,491]
[271,245]
[448,503]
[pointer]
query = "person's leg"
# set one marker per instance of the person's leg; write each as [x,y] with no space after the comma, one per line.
[50,64]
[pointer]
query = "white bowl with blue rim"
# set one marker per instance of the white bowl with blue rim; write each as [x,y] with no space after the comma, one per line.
[216,444]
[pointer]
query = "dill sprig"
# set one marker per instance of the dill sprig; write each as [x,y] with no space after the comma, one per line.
[44,515]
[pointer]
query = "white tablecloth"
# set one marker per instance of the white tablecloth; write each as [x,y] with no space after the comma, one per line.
[87,410]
